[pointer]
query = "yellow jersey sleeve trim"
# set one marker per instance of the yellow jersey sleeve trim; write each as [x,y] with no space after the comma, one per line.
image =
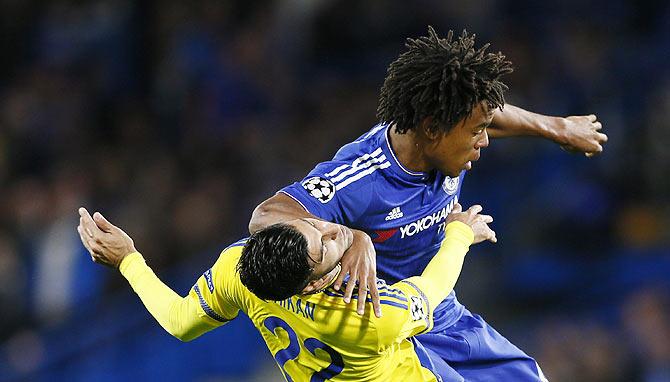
[206,308]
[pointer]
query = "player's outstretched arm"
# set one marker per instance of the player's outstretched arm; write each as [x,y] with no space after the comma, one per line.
[110,246]
[359,262]
[579,133]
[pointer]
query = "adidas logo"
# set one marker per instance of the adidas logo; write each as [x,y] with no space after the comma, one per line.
[394,214]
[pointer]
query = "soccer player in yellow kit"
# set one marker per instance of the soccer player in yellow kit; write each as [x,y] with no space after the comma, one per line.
[313,336]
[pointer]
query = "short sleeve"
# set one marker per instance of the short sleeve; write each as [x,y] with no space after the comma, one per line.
[336,191]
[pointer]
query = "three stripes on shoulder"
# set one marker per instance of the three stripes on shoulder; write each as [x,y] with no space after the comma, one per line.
[346,174]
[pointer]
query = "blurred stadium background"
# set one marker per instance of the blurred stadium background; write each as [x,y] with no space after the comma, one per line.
[176,119]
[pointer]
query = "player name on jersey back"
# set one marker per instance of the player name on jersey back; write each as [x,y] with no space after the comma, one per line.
[298,306]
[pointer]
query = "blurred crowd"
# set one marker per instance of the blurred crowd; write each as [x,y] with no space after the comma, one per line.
[175,119]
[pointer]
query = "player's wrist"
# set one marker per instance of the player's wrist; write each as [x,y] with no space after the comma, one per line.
[360,238]
[554,129]
[358,232]
[457,230]
[128,260]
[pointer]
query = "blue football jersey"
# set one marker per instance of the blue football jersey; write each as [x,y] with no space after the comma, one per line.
[404,212]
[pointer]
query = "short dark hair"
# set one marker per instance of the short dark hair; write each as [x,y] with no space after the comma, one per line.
[441,78]
[273,265]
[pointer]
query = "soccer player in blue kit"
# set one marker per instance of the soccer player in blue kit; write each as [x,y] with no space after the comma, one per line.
[395,185]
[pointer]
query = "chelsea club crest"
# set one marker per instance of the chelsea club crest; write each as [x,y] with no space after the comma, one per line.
[450,185]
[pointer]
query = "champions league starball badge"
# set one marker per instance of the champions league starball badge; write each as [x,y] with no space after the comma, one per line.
[450,185]
[320,188]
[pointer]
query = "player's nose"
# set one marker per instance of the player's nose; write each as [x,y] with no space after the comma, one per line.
[483,141]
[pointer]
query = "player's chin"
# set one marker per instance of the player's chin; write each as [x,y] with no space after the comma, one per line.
[467,166]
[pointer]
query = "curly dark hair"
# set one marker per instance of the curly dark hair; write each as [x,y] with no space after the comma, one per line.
[273,265]
[441,78]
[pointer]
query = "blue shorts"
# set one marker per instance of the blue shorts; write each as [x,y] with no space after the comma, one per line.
[471,350]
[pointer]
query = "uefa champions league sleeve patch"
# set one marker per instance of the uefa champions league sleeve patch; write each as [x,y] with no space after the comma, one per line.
[320,188]
[417,308]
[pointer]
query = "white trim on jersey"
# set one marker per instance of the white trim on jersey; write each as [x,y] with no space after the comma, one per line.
[357,168]
[337,169]
[360,167]
[355,164]
[361,174]
[388,143]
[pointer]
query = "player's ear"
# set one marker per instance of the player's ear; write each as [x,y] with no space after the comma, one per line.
[428,130]
[315,285]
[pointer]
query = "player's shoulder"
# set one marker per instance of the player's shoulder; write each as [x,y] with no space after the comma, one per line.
[230,256]
[355,164]
[236,246]
[224,274]
[367,144]
[234,250]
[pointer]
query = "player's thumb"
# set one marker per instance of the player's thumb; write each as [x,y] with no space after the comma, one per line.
[457,208]
[101,222]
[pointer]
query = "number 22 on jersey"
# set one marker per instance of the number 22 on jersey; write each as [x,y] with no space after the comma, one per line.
[292,351]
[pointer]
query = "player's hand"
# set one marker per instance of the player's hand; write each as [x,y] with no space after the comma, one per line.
[106,243]
[581,134]
[360,262]
[478,222]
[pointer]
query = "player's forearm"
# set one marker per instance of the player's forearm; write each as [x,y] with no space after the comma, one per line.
[514,121]
[178,316]
[277,209]
[442,272]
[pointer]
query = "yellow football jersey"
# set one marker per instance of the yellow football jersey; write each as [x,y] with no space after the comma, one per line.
[314,337]
[318,337]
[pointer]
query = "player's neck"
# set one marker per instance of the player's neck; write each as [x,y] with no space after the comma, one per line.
[408,149]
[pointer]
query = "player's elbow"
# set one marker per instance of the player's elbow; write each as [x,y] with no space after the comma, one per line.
[183,338]
[258,216]
[183,331]
[276,209]
[183,335]
[264,215]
